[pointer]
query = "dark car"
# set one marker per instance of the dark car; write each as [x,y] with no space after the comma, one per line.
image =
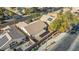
[17,16]
[75,29]
[73,32]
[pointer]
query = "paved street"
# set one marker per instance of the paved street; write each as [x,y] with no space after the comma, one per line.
[75,45]
[64,43]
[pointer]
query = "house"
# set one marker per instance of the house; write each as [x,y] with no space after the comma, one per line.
[4,41]
[13,36]
[35,30]
[75,10]
[10,34]
[25,46]
[48,18]
[65,9]
[21,25]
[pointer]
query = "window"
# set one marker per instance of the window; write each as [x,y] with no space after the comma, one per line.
[49,19]
[45,33]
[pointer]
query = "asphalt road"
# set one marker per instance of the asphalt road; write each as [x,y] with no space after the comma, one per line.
[75,45]
[64,43]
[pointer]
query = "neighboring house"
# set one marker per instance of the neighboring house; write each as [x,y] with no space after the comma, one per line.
[65,9]
[10,35]
[4,41]
[75,10]
[16,34]
[35,30]
[48,18]
[25,46]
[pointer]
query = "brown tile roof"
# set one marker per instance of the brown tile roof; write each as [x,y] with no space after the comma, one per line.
[35,27]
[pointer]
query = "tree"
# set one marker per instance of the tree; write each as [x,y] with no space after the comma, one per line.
[28,11]
[10,13]
[63,21]
[1,15]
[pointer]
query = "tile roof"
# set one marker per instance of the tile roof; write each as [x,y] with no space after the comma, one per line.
[35,27]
